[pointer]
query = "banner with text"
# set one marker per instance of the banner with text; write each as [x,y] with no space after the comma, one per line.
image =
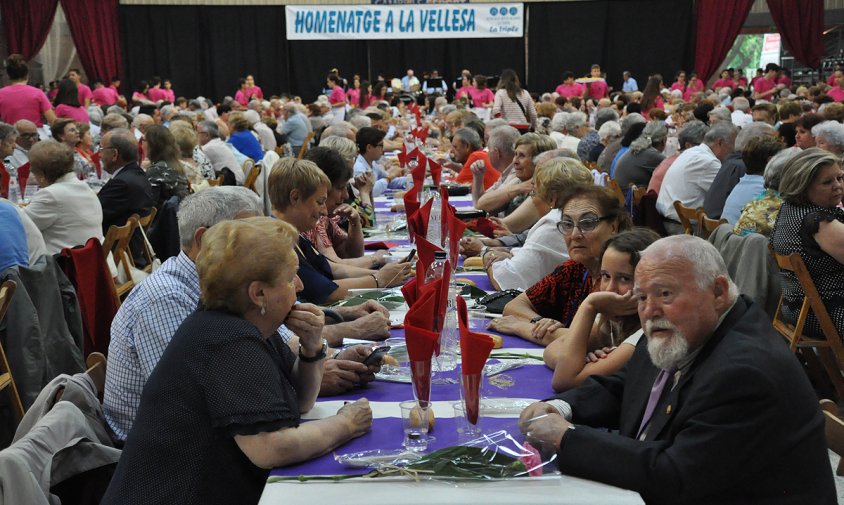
[332,22]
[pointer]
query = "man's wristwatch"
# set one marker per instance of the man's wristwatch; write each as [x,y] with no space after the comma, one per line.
[312,359]
[484,250]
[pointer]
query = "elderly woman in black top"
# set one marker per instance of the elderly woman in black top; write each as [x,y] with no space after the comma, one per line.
[222,407]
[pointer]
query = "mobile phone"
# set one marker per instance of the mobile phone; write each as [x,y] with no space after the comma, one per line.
[376,356]
[409,257]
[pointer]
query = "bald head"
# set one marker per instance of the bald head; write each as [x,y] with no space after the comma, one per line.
[27,133]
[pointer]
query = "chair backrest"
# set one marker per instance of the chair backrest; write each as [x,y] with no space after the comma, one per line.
[147,220]
[248,163]
[146,250]
[96,363]
[304,147]
[7,291]
[706,225]
[216,182]
[638,193]
[619,194]
[830,348]
[687,216]
[252,178]
[117,243]
[834,431]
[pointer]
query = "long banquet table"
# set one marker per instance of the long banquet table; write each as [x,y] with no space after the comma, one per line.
[511,388]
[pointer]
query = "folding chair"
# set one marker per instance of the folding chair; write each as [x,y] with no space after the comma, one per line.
[834,431]
[304,148]
[686,215]
[706,225]
[619,194]
[117,243]
[252,178]
[216,182]
[830,349]
[7,291]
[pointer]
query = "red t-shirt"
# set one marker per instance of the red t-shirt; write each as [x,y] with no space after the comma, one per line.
[490,174]
[762,85]
[21,101]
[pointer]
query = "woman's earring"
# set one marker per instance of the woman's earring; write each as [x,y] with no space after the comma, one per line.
[263,309]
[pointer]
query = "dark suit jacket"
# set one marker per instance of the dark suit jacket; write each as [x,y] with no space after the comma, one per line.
[123,195]
[743,425]
[732,169]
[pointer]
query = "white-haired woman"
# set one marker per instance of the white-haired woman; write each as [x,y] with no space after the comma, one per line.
[567,129]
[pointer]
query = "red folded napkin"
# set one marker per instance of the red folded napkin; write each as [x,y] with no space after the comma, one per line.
[411,200]
[425,250]
[455,227]
[418,172]
[436,172]
[485,226]
[421,134]
[417,223]
[474,351]
[422,327]
[421,344]
[23,173]
[374,246]
[402,156]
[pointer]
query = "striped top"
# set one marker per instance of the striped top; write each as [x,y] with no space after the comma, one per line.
[510,111]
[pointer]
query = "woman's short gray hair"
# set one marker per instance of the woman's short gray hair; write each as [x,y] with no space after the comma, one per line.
[346,147]
[573,122]
[775,166]
[754,129]
[609,130]
[6,130]
[832,132]
[630,120]
[800,171]
[210,206]
[654,133]
[559,121]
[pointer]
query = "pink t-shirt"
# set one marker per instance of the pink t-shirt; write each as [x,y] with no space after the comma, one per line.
[678,85]
[481,97]
[831,80]
[836,93]
[762,85]
[723,83]
[170,95]
[784,80]
[691,89]
[85,94]
[21,101]
[337,96]
[598,90]
[255,91]
[138,96]
[241,98]
[78,114]
[569,90]
[353,96]
[105,96]
[156,94]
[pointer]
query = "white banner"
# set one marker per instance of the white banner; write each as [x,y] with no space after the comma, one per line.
[333,22]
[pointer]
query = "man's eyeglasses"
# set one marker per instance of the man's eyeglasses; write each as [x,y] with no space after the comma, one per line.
[585,225]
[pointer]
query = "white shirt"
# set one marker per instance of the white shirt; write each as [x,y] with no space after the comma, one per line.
[265,136]
[687,180]
[19,157]
[67,212]
[740,118]
[569,142]
[221,157]
[544,250]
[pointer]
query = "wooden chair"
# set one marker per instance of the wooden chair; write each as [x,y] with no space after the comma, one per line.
[96,363]
[834,431]
[252,178]
[144,223]
[247,166]
[830,349]
[304,147]
[7,291]
[638,193]
[619,194]
[687,215]
[117,243]
[706,225]
[216,182]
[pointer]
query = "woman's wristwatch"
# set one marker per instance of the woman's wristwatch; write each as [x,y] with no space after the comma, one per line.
[536,319]
[313,359]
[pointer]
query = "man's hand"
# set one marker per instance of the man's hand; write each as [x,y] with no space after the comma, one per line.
[393,274]
[365,308]
[544,328]
[359,353]
[349,212]
[493,256]
[306,320]
[546,432]
[373,326]
[358,416]
[533,410]
[470,246]
[478,169]
[341,376]
[364,182]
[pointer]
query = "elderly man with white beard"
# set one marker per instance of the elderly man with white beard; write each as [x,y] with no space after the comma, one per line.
[711,408]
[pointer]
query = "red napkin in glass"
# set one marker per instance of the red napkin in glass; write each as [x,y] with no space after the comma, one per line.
[474,351]
[374,246]
[425,250]
[417,223]
[421,344]
[23,173]
[411,200]
[402,156]
[456,227]
[418,173]
[421,134]
[436,172]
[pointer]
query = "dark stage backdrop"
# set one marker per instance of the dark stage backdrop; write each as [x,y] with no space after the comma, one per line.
[205,49]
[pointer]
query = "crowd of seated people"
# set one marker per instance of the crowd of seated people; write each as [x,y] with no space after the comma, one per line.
[551,171]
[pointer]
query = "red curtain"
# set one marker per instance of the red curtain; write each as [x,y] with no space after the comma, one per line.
[718,25]
[801,26]
[94,27]
[27,24]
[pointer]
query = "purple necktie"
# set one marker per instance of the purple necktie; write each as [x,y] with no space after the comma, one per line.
[656,392]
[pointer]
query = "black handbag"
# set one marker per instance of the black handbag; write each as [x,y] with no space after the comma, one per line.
[495,302]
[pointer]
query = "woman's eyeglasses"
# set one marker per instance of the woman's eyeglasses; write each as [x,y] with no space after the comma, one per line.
[585,225]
